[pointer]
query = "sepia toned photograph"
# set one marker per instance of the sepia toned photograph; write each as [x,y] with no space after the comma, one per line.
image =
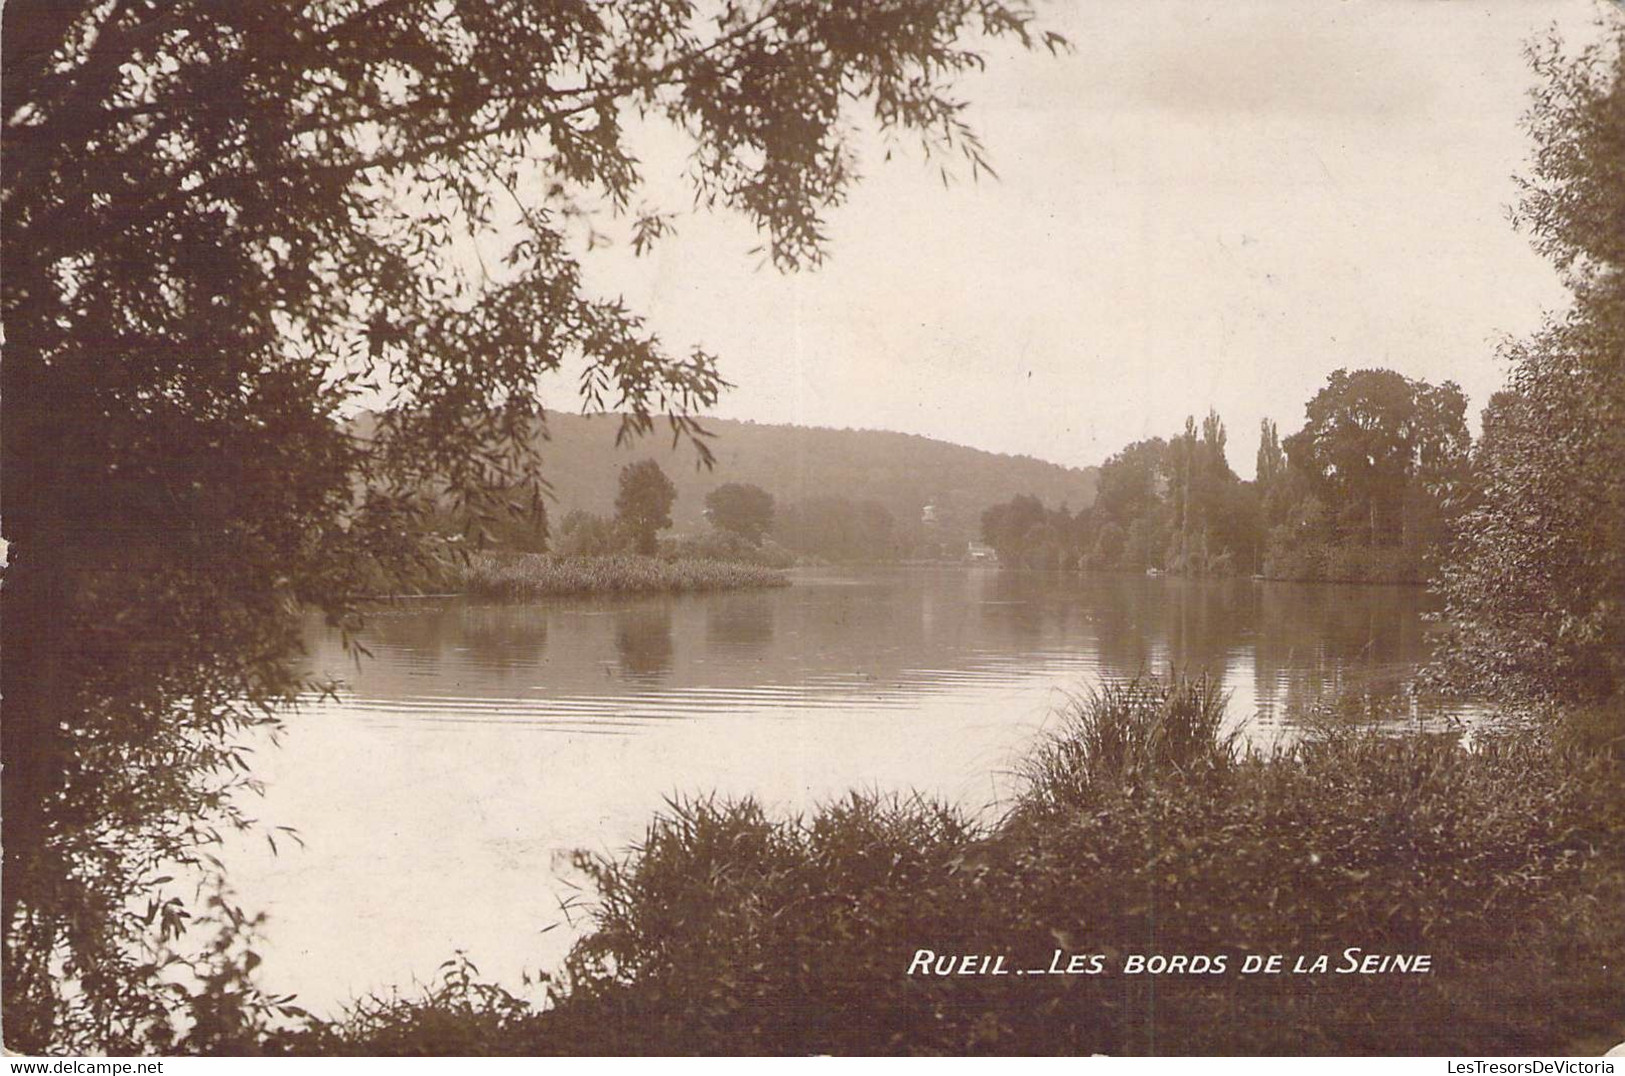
[813,527]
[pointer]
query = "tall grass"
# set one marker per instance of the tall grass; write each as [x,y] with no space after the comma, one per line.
[536,575]
[1126,734]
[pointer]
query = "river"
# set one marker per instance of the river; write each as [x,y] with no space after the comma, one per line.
[441,794]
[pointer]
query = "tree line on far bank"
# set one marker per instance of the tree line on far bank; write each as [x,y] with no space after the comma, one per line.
[747,523]
[1366,491]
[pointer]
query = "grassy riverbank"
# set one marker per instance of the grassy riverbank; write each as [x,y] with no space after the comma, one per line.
[539,575]
[1141,830]
[519,576]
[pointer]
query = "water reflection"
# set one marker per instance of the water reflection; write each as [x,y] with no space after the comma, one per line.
[502,634]
[880,638]
[483,743]
[643,640]
[740,621]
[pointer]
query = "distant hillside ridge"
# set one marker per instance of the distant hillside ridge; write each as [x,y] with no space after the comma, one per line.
[904,472]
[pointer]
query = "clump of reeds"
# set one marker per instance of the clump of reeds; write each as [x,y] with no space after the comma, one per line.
[537,575]
[1124,735]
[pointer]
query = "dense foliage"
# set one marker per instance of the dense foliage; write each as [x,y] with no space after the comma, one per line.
[1380,458]
[225,224]
[1025,533]
[643,504]
[891,473]
[1365,492]
[584,534]
[1536,594]
[728,546]
[742,509]
[1171,505]
[841,529]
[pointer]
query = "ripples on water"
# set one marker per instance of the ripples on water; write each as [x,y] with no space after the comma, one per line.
[442,789]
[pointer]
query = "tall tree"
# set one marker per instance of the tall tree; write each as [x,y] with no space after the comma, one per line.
[1132,481]
[1368,437]
[1006,526]
[1271,460]
[742,509]
[1535,597]
[224,223]
[643,504]
[1202,497]
[1273,483]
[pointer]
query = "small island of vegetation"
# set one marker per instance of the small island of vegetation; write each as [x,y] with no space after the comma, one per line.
[600,557]
[538,575]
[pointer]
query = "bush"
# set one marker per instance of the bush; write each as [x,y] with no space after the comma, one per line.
[731,932]
[457,1016]
[583,534]
[1293,559]
[725,545]
[1310,561]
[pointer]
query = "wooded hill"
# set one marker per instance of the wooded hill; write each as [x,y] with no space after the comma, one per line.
[902,472]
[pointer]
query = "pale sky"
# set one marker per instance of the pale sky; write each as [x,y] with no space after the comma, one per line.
[1206,205]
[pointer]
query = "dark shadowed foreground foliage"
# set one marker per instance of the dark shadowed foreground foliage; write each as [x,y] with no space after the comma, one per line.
[1535,591]
[1140,831]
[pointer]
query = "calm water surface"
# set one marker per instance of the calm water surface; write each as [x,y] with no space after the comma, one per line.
[440,796]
